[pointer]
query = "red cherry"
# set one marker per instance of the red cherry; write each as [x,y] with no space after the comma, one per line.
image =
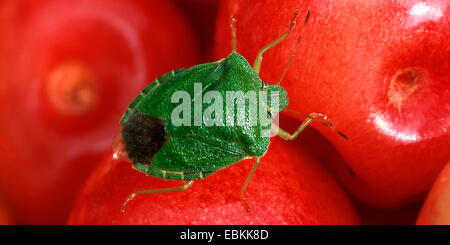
[378,69]
[71,70]
[435,210]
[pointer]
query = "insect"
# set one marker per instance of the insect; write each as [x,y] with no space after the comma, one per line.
[159,147]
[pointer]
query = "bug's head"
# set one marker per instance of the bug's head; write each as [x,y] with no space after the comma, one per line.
[277,98]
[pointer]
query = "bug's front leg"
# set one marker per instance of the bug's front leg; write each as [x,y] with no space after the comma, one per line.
[284,35]
[153,191]
[310,118]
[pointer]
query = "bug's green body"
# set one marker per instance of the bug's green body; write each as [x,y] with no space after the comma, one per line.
[158,148]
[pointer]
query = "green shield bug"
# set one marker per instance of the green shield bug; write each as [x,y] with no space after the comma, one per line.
[160,143]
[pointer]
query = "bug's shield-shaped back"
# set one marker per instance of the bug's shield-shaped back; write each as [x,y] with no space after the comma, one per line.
[219,130]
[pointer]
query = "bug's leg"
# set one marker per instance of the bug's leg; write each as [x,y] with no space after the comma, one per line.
[153,191]
[244,186]
[296,47]
[233,34]
[310,118]
[258,60]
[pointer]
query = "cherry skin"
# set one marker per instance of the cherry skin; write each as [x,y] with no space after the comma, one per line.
[5,215]
[435,210]
[378,69]
[202,14]
[289,187]
[72,69]
[204,2]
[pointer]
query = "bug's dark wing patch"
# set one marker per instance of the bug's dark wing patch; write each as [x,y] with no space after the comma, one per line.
[143,136]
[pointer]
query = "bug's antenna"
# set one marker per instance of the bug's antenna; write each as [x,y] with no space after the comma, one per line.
[233,34]
[296,46]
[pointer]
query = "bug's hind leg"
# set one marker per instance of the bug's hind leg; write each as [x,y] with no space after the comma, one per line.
[310,118]
[244,186]
[153,191]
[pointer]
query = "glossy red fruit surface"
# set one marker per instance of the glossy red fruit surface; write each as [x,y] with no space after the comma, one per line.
[5,215]
[289,187]
[204,2]
[68,71]
[436,209]
[378,69]
[202,14]
[405,215]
